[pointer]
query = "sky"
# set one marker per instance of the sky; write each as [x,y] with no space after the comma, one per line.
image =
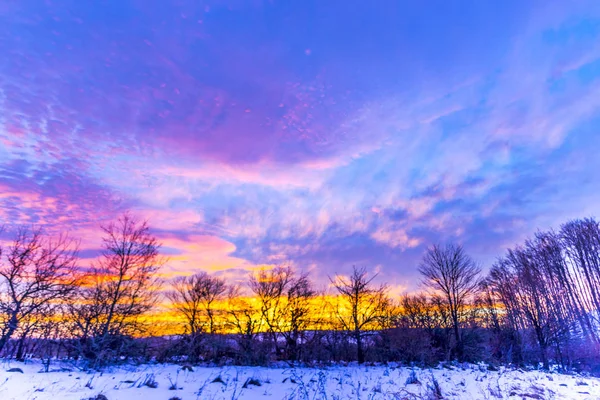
[323,134]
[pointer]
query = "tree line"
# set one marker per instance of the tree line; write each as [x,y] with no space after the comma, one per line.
[538,304]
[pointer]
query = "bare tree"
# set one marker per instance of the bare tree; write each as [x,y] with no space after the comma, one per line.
[49,335]
[195,297]
[516,281]
[37,271]
[245,320]
[270,286]
[455,276]
[299,313]
[33,325]
[421,312]
[121,286]
[286,306]
[533,285]
[580,240]
[360,306]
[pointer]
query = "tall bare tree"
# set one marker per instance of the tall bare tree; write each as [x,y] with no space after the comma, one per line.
[270,286]
[521,287]
[360,306]
[245,320]
[195,297]
[286,305]
[537,290]
[449,271]
[299,313]
[121,286]
[580,240]
[37,271]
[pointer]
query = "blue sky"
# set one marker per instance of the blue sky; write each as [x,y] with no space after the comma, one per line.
[324,134]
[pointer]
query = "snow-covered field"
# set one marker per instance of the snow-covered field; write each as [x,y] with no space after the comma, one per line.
[339,382]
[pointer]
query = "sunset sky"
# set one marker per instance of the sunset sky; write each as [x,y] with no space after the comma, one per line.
[323,133]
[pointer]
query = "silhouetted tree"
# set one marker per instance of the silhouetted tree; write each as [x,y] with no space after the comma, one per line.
[299,313]
[121,286]
[36,272]
[532,284]
[455,276]
[195,297]
[285,304]
[580,240]
[270,286]
[360,306]
[245,320]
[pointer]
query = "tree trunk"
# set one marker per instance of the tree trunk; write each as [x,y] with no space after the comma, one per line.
[543,348]
[21,347]
[360,354]
[544,351]
[459,344]
[12,327]
[292,348]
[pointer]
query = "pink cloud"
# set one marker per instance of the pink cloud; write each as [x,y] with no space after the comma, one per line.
[201,253]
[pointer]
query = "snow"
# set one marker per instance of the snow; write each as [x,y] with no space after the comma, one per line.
[335,382]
